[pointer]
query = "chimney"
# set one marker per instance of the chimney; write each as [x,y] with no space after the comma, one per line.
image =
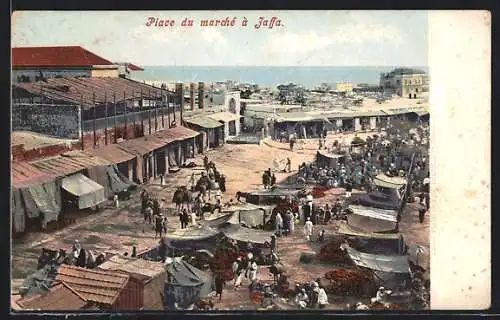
[201,95]
[191,92]
[179,92]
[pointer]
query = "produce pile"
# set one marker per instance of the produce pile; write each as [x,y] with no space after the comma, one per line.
[331,252]
[223,263]
[319,192]
[348,282]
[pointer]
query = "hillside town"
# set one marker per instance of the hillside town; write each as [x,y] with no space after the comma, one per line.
[150,195]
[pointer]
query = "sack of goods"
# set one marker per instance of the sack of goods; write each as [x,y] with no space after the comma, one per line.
[349,282]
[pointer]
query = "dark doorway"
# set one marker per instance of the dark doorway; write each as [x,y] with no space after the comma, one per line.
[160,162]
[232,106]
[123,168]
[232,128]
[414,96]
[409,96]
[348,124]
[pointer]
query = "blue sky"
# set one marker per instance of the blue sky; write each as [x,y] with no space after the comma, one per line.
[307,38]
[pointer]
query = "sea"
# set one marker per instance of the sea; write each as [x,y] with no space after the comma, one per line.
[309,77]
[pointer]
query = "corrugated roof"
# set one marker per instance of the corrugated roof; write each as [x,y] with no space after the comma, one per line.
[147,268]
[204,122]
[68,163]
[82,90]
[113,153]
[60,56]
[25,175]
[224,116]
[34,140]
[94,285]
[143,145]
[178,133]
[59,297]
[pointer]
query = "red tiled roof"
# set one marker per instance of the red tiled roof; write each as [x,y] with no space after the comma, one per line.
[94,285]
[68,163]
[59,297]
[61,56]
[133,67]
[24,175]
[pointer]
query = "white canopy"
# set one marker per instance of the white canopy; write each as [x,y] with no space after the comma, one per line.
[89,192]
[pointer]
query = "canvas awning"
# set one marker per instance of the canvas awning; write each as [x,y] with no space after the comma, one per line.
[42,198]
[224,116]
[204,122]
[347,230]
[89,192]
[375,213]
[244,234]
[385,263]
[385,181]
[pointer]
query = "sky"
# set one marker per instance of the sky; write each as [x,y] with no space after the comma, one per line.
[304,38]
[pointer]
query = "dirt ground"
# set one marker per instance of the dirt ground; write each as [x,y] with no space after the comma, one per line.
[115,230]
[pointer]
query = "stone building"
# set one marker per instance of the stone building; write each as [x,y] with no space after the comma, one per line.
[405,82]
[31,64]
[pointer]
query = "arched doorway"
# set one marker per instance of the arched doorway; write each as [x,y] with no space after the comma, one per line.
[414,96]
[409,95]
[232,105]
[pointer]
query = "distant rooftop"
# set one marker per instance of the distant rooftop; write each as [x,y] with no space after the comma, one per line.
[33,140]
[405,71]
[55,57]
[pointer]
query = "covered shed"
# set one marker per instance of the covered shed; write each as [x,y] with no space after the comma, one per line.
[372,242]
[211,130]
[35,197]
[107,289]
[369,219]
[60,297]
[390,185]
[328,159]
[185,284]
[250,215]
[391,271]
[88,193]
[150,273]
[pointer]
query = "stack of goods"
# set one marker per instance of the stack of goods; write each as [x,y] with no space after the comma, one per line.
[223,263]
[332,252]
[319,192]
[349,282]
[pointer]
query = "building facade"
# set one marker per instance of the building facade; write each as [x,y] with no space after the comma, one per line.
[406,83]
[344,86]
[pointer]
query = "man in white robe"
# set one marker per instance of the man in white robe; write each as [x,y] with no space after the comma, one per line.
[308,229]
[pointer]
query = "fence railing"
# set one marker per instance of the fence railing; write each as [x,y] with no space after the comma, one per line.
[109,122]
